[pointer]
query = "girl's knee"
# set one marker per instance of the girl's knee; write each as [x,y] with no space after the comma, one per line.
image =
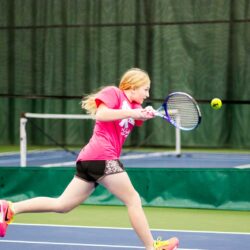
[62,206]
[134,200]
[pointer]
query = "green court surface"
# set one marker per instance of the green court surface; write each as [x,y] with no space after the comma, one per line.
[159,218]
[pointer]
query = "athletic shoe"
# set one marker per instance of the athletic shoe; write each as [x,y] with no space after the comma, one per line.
[170,244]
[6,216]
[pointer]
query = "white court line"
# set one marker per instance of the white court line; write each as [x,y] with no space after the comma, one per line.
[243,166]
[125,157]
[66,244]
[144,155]
[80,244]
[62,164]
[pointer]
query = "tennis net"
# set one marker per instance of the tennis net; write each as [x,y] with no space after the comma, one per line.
[25,117]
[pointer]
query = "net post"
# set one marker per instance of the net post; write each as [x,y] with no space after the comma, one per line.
[178,137]
[178,142]
[23,141]
[23,134]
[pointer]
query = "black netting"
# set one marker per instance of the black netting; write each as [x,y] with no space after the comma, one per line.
[69,48]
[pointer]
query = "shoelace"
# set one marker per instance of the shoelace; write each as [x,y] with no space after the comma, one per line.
[159,238]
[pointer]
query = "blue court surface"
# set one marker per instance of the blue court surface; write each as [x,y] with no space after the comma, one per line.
[136,159]
[48,237]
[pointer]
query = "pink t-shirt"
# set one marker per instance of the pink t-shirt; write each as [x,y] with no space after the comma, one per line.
[109,136]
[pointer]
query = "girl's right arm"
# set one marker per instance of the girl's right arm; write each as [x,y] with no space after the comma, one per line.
[104,113]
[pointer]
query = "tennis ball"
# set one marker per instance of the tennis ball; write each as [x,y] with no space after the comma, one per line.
[216,103]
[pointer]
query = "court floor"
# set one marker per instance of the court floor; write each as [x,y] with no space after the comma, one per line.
[52,237]
[136,159]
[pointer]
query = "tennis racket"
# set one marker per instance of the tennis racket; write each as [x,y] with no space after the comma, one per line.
[181,110]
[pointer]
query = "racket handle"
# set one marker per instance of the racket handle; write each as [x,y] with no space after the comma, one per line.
[157,113]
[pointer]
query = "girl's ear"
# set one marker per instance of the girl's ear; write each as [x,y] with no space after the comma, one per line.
[133,91]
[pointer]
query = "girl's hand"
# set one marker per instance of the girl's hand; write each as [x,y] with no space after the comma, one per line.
[143,114]
[150,112]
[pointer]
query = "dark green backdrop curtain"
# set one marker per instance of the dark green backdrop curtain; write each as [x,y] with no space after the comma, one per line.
[72,47]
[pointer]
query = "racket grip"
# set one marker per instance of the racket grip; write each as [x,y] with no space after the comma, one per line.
[157,113]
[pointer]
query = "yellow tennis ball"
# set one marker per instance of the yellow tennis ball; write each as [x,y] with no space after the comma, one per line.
[216,103]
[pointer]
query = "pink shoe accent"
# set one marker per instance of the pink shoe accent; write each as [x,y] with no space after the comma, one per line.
[170,244]
[5,216]
[174,243]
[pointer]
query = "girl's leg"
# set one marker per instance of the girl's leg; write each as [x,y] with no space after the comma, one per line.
[75,193]
[120,185]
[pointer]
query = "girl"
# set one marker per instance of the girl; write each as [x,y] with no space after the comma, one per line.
[116,111]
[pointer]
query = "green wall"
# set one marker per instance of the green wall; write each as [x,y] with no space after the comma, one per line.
[69,48]
[227,189]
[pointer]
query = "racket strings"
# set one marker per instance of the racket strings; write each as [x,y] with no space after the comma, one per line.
[182,112]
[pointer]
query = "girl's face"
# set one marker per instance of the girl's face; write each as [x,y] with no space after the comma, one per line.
[141,93]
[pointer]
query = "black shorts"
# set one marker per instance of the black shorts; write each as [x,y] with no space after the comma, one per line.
[92,171]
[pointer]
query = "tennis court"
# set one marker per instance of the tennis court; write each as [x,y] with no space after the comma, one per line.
[59,158]
[48,237]
[194,183]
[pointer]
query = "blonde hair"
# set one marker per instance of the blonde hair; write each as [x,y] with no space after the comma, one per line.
[88,103]
[131,79]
